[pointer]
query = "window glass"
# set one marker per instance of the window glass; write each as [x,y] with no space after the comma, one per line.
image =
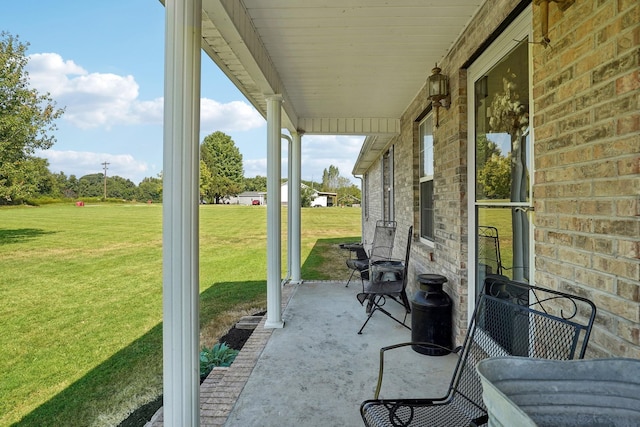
[426,178]
[503,160]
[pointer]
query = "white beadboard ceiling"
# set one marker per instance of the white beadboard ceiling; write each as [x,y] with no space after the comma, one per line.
[347,67]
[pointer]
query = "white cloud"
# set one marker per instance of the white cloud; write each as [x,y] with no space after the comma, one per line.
[233,116]
[80,163]
[93,100]
[254,167]
[321,151]
[90,99]
[318,153]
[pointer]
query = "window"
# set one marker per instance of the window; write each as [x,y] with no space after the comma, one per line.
[426,178]
[387,186]
[500,158]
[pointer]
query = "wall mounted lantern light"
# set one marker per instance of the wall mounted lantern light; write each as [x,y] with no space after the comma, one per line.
[544,16]
[438,91]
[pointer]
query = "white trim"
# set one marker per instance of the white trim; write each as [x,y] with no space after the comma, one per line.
[519,29]
[392,187]
[274,213]
[425,178]
[180,215]
[293,207]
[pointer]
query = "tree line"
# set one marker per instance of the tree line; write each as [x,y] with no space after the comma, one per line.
[27,124]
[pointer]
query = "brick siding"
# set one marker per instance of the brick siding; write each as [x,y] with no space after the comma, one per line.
[587,163]
[587,160]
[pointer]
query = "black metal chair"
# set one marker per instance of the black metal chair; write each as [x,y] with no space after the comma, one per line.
[489,249]
[510,319]
[387,280]
[381,248]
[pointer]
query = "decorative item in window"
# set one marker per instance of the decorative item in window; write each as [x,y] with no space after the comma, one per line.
[438,91]
[508,114]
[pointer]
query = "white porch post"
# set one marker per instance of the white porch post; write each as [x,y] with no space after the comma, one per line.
[274,215]
[294,206]
[180,331]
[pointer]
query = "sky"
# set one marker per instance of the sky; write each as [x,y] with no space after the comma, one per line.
[103,62]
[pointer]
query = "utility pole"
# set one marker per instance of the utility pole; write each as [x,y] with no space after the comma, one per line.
[104,165]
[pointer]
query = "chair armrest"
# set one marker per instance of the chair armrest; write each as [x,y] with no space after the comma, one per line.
[400,345]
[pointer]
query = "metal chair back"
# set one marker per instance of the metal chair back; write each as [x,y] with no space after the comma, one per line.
[510,319]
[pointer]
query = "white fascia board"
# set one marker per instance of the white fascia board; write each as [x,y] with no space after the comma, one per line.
[231,20]
[349,126]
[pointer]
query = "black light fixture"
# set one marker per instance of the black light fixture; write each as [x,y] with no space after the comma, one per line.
[438,91]
[544,16]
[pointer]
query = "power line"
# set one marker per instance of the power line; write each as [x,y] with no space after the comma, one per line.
[104,165]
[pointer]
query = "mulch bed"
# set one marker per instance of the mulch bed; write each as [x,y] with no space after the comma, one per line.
[235,338]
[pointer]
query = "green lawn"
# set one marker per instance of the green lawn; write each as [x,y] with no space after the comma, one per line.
[81,298]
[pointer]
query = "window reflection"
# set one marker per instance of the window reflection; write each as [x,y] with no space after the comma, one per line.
[503,161]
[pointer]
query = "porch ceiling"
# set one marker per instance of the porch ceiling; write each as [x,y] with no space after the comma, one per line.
[343,67]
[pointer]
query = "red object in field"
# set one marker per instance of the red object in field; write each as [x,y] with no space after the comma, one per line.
[255,202]
[79,203]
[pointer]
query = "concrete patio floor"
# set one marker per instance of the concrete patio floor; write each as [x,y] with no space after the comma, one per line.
[317,370]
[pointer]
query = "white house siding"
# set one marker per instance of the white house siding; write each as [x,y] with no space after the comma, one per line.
[586,183]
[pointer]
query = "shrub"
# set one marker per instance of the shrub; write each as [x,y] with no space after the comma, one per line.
[218,355]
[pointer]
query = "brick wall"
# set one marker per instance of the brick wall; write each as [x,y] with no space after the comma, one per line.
[587,144]
[374,200]
[448,254]
[586,183]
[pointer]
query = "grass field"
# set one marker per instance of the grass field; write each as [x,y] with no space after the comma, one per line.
[81,298]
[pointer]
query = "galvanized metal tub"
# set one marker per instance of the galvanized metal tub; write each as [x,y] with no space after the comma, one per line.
[529,392]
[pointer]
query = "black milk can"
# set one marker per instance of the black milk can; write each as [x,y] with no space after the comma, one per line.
[431,316]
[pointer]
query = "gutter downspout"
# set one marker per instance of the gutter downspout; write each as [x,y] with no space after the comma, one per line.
[295,212]
[361,206]
[289,199]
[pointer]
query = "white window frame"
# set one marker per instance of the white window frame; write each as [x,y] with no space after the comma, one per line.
[388,212]
[426,177]
[519,29]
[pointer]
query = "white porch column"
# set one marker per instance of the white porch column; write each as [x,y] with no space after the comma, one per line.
[180,332]
[274,215]
[294,206]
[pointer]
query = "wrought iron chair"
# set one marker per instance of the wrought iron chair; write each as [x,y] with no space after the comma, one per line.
[489,249]
[387,280]
[510,319]
[381,249]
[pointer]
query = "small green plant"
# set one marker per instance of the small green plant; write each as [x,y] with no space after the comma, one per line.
[218,355]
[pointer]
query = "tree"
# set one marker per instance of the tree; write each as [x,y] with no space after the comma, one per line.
[330,178]
[349,195]
[306,196]
[206,181]
[259,183]
[91,185]
[494,179]
[224,161]
[72,187]
[486,149]
[347,192]
[150,189]
[120,188]
[38,174]
[26,121]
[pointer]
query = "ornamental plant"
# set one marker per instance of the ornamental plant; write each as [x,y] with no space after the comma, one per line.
[218,355]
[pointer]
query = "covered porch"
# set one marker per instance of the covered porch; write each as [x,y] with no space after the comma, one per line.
[563,103]
[313,67]
[317,370]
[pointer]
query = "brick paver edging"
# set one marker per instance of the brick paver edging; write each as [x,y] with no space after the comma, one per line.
[220,390]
